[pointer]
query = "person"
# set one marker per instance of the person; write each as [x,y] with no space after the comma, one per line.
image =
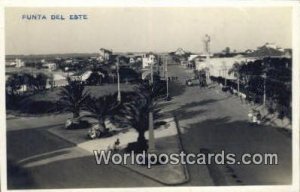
[241,98]
[250,115]
[254,118]
[258,117]
[116,145]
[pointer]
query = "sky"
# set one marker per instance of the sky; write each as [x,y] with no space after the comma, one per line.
[158,29]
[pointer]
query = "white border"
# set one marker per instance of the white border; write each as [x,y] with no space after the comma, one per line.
[174,3]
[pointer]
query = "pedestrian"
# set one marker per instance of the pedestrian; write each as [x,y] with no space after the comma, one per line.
[259,117]
[241,98]
[250,115]
[116,145]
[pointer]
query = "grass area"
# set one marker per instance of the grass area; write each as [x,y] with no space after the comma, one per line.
[97,91]
[45,102]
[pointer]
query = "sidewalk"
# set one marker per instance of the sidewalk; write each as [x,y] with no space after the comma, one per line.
[167,141]
[268,119]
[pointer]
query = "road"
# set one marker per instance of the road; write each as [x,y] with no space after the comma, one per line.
[72,168]
[212,120]
[209,120]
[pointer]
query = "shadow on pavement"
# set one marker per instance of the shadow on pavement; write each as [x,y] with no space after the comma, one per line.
[176,88]
[45,156]
[239,137]
[18,177]
[26,143]
[185,112]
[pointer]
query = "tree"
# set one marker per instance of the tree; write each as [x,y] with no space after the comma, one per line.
[136,113]
[28,80]
[73,98]
[14,83]
[40,81]
[226,51]
[94,79]
[101,108]
[235,70]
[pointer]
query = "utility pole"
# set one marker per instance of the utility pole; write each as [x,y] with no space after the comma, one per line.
[151,142]
[225,75]
[206,41]
[238,83]
[151,71]
[167,77]
[265,94]
[118,75]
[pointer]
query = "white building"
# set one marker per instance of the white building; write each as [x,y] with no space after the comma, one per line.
[59,80]
[19,63]
[104,55]
[219,67]
[131,60]
[148,60]
[180,52]
[84,76]
[50,66]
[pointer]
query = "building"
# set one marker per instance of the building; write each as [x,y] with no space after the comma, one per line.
[219,67]
[131,60]
[50,66]
[15,63]
[104,55]
[57,80]
[148,60]
[10,63]
[83,76]
[180,52]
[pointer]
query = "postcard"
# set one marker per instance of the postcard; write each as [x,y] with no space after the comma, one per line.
[150,97]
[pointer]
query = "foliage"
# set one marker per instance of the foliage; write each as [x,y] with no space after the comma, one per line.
[101,108]
[32,82]
[274,73]
[136,112]
[94,79]
[14,83]
[73,98]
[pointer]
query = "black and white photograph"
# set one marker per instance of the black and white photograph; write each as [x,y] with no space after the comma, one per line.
[134,97]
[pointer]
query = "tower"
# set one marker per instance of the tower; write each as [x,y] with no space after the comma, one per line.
[206,43]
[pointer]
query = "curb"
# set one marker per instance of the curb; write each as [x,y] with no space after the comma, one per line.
[185,170]
[61,137]
[186,173]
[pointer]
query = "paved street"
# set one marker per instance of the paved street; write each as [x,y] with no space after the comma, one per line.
[72,168]
[212,120]
[208,119]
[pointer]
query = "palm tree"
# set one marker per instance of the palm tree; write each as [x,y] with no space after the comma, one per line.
[101,108]
[14,83]
[135,114]
[73,98]
[40,81]
[142,113]
[29,80]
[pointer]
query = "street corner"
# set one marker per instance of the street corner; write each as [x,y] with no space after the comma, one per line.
[167,142]
[74,137]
